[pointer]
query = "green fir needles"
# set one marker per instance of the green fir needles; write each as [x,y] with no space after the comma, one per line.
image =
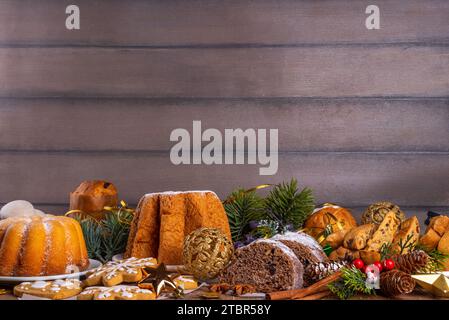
[251,216]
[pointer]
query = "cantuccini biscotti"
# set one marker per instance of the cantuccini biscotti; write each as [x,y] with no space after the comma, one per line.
[384,233]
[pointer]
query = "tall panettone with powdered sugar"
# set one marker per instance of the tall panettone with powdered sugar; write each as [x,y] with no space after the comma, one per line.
[163,220]
[274,264]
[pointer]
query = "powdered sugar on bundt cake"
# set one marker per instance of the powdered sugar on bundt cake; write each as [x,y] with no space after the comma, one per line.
[266,264]
[41,245]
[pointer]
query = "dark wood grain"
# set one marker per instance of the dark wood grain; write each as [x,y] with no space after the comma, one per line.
[216,22]
[353,179]
[244,72]
[303,124]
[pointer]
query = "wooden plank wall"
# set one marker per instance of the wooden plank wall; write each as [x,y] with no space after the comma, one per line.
[363,115]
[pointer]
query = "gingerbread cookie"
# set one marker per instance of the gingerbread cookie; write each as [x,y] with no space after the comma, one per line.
[116,293]
[116,272]
[186,282]
[56,290]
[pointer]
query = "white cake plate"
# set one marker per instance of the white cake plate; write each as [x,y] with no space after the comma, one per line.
[14,280]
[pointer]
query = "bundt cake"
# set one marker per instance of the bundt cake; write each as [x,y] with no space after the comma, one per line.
[41,246]
[163,220]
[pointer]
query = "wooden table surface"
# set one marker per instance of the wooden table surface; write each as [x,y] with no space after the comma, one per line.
[418,294]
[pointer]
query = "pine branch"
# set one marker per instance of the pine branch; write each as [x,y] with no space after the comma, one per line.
[289,207]
[115,234]
[93,237]
[244,208]
[352,282]
[107,237]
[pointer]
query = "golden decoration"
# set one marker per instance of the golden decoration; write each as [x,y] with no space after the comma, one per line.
[207,252]
[437,284]
[120,210]
[3,291]
[159,278]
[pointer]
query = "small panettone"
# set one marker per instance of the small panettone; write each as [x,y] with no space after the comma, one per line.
[376,212]
[339,220]
[92,196]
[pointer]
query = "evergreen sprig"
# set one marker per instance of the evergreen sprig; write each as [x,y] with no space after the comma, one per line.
[288,206]
[352,282]
[108,237]
[285,208]
[244,208]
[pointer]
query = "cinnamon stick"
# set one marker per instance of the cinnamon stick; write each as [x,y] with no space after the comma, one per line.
[300,293]
[316,296]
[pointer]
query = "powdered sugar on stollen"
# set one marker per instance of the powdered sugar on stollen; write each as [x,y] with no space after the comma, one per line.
[301,238]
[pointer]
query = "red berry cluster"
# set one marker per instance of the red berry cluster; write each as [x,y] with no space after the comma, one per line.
[385,265]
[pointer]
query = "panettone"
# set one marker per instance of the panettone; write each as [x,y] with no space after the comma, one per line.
[92,196]
[163,220]
[336,218]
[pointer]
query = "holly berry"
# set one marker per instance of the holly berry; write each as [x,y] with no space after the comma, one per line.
[388,264]
[358,263]
[378,265]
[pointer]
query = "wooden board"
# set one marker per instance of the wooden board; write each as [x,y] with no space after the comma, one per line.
[303,124]
[352,179]
[243,72]
[216,22]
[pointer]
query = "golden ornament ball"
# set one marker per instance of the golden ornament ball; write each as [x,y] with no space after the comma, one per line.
[207,252]
[376,212]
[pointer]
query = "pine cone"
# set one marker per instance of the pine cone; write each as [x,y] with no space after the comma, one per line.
[376,212]
[319,270]
[412,262]
[396,282]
